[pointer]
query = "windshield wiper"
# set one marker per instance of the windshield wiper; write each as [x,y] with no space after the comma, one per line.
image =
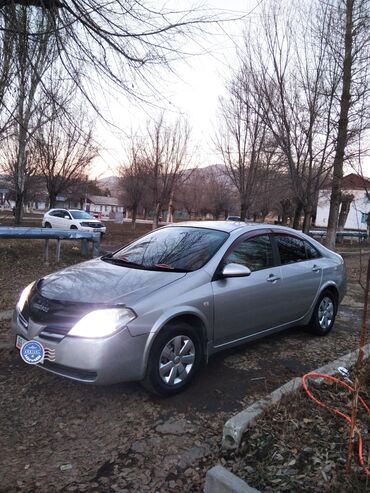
[120,261]
[167,268]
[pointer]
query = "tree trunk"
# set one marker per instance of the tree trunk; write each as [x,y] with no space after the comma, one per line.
[19,208]
[133,219]
[170,210]
[297,216]
[307,220]
[52,200]
[156,215]
[344,210]
[345,103]
[243,211]
[343,213]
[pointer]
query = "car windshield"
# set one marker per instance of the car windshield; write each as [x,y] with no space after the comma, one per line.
[174,249]
[80,215]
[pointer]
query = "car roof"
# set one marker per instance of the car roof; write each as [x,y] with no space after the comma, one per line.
[230,226]
[226,226]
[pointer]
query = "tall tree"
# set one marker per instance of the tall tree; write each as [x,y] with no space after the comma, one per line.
[295,97]
[33,56]
[166,152]
[349,45]
[65,149]
[135,178]
[242,138]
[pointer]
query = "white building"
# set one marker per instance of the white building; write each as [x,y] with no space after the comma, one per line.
[354,185]
[104,206]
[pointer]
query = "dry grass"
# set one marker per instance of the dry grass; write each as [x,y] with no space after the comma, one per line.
[297,446]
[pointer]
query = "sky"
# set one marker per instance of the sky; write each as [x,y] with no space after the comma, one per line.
[193,90]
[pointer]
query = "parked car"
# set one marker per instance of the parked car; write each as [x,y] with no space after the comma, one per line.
[72,219]
[233,218]
[155,309]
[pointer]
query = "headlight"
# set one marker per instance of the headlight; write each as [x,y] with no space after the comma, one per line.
[24,295]
[102,323]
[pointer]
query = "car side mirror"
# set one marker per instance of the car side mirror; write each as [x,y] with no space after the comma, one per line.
[235,270]
[67,217]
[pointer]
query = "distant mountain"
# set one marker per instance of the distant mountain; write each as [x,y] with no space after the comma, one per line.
[107,182]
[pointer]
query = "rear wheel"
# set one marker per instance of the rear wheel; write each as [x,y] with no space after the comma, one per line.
[47,225]
[174,358]
[323,316]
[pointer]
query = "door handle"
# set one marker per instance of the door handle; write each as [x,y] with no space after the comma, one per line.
[316,268]
[272,278]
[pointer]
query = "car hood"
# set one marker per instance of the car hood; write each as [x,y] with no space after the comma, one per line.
[97,281]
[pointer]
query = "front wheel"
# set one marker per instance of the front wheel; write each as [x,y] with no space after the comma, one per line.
[47,225]
[174,358]
[323,316]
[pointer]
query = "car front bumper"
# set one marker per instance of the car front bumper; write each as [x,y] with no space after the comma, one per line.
[118,358]
[95,230]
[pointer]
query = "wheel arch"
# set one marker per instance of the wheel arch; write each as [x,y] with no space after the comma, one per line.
[191,318]
[332,288]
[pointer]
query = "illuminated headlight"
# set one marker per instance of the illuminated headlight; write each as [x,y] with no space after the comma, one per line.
[102,323]
[24,295]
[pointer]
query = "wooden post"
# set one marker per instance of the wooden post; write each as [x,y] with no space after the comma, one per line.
[96,247]
[59,241]
[84,247]
[46,252]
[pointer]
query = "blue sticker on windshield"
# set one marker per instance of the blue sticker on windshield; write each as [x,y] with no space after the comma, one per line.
[32,352]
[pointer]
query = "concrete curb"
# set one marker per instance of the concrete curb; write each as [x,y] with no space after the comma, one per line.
[236,426]
[6,315]
[220,480]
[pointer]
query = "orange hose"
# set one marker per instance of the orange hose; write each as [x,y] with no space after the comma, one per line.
[337,411]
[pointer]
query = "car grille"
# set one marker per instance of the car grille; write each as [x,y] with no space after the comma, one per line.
[92,225]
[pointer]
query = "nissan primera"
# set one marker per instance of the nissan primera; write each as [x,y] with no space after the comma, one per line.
[155,309]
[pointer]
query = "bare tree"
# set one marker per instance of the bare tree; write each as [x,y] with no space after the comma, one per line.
[65,150]
[32,57]
[166,153]
[217,193]
[295,98]
[242,138]
[135,178]
[349,45]
[124,42]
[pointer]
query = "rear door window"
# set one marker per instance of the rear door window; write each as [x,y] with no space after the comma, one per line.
[311,251]
[291,249]
[254,253]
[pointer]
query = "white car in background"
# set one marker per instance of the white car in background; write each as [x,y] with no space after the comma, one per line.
[72,219]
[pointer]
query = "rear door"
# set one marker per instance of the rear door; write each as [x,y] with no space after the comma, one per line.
[246,305]
[301,272]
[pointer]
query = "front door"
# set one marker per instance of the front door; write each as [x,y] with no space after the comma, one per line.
[247,305]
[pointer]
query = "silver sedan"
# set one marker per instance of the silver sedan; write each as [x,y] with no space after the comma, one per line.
[155,309]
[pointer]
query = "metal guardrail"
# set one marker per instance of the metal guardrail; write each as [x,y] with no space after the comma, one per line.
[361,235]
[47,234]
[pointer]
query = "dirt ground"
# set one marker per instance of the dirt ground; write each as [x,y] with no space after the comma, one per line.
[59,435]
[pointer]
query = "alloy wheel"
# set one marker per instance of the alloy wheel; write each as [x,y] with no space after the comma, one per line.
[176,360]
[326,312]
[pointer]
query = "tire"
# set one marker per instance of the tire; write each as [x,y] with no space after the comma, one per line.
[47,225]
[324,313]
[73,227]
[167,371]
